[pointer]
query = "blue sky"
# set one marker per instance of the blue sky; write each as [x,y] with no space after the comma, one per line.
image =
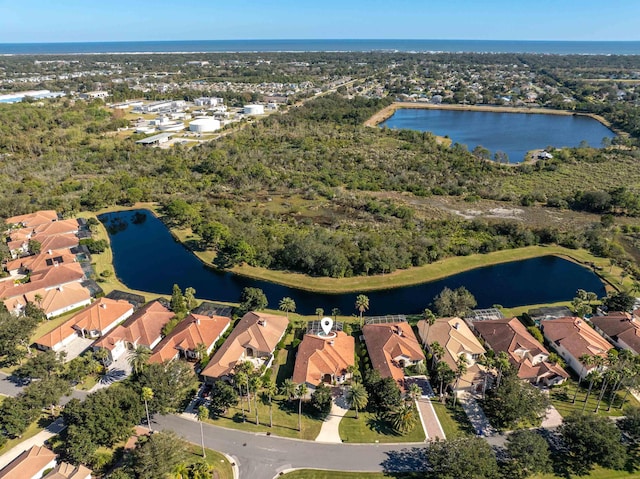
[118,20]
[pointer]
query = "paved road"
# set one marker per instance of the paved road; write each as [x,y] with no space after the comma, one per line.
[262,457]
[8,388]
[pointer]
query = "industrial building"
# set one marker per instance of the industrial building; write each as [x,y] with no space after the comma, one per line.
[208,101]
[254,109]
[155,140]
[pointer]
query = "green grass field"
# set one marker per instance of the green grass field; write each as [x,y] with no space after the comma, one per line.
[369,428]
[598,473]
[454,422]
[565,406]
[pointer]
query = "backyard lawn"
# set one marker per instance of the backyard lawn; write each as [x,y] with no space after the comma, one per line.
[369,428]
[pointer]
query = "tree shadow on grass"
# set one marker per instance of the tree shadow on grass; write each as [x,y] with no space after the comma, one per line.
[403,461]
[381,425]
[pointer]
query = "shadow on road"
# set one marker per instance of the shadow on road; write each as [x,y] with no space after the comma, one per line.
[405,460]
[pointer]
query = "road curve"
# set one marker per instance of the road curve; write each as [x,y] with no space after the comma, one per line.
[262,457]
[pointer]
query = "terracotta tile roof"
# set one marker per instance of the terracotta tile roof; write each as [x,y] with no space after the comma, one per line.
[101,314]
[258,331]
[63,241]
[576,336]
[318,356]
[620,326]
[386,341]
[57,228]
[511,337]
[69,471]
[45,279]
[33,219]
[193,330]
[55,299]
[62,332]
[44,260]
[143,328]
[29,464]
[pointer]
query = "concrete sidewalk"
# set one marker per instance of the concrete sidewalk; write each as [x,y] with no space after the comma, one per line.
[330,430]
[37,440]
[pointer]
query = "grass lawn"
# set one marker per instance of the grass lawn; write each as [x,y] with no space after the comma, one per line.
[216,460]
[454,422]
[368,428]
[565,407]
[285,420]
[598,473]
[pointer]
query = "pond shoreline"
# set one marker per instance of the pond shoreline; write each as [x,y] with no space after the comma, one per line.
[388,112]
[401,278]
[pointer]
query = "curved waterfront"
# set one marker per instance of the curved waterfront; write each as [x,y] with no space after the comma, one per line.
[146,257]
[512,133]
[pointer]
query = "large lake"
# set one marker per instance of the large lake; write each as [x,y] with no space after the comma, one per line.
[147,258]
[513,133]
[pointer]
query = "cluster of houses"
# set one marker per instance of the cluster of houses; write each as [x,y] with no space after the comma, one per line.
[46,266]
[40,462]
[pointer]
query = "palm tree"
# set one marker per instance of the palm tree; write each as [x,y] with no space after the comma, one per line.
[301,392]
[354,371]
[585,360]
[288,389]
[247,368]
[414,392]
[591,297]
[319,312]
[502,362]
[271,389]
[358,397]
[102,354]
[593,377]
[181,471]
[335,312]
[288,305]
[200,470]
[147,395]
[404,419]
[444,374]
[138,359]
[461,369]
[255,382]
[609,376]
[201,351]
[430,318]
[436,351]
[239,378]
[203,415]
[362,304]
[488,362]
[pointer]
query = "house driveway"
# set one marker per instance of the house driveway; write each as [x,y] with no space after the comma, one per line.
[430,422]
[117,371]
[552,419]
[76,347]
[330,430]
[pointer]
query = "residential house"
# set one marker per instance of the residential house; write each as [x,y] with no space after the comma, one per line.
[33,219]
[254,339]
[186,338]
[31,464]
[620,328]
[69,471]
[39,262]
[143,328]
[525,352]
[572,338]
[538,315]
[55,277]
[324,359]
[92,322]
[456,339]
[392,346]
[57,301]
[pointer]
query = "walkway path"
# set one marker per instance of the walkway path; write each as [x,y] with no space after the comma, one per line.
[552,419]
[37,440]
[330,430]
[430,421]
[476,415]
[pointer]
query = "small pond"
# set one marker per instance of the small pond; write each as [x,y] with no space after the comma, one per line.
[146,257]
[512,133]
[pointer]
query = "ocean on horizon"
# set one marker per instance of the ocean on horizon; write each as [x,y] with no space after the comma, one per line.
[220,46]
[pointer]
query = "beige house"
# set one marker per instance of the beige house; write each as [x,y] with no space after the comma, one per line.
[457,340]
[31,464]
[254,339]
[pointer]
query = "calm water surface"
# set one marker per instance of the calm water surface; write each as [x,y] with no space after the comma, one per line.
[146,257]
[512,133]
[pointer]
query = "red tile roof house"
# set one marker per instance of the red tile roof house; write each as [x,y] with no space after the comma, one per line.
[620,328]
[68,471]
[31,464]
[392,347]
[185,338]
[572,338]
[143,328]
[92,322]
[254,339]
[525,352]
[33,219]
[39,262]
[54,301]
[323,359]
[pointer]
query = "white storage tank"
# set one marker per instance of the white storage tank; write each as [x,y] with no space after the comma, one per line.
[204,125]
[254,109]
